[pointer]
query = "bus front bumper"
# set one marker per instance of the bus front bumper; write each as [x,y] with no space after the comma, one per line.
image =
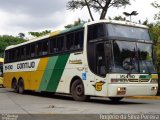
[121,90]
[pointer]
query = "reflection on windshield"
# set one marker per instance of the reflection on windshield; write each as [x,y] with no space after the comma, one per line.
[127,32]
[132,58]
[145,58]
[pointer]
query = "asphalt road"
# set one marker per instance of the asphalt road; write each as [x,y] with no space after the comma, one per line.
[59,107]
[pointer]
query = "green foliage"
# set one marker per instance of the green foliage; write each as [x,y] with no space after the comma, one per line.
[118,18]
[78,22]
[156,5]
[7,40]
[100,6]
[155,34]
[21,35]
[38,34]
[154,29]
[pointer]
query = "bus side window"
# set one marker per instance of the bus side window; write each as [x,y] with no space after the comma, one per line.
[28,51]
[78,44]
[18,54]
[45,48]
[6,56]
[60,44]
[33,50]
[39,49]
[12,55]
[70,41]
[22,51]
[53,45]
[95,31]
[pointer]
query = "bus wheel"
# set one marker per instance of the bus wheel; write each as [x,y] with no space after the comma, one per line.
[14,86]
[115,99]
[77,91]
[21,86]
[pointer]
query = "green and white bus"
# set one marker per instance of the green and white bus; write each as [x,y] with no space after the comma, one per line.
[103,58]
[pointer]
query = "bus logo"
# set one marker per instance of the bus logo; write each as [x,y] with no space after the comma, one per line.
[98,85]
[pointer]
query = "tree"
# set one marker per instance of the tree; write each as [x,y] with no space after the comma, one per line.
[156,5]
[38,34]
[100,6]
[7,40]
[21,35]
[78,22]
[118,18]
[154,29]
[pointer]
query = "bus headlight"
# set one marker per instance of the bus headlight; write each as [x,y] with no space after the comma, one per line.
[119,80]
[154,80]
[154,88]
[121,90]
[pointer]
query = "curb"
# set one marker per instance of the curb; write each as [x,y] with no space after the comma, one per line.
[144,97]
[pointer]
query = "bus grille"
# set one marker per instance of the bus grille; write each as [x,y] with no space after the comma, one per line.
[144,80]
[133,80]
[138,80]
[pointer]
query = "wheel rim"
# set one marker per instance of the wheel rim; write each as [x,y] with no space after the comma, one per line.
[79,90]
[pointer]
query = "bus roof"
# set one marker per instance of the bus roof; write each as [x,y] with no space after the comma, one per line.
[125,23]
[82,25]
[54,33]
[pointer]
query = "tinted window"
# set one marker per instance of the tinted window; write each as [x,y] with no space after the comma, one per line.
[79,40]
[60,44]
[18,54]
[23,52]
[6,56]
[127,32]
[39,49]
[53,45]
[95,31]
[45,48]
[12,55]
[33,50]
[70,41]
[27,51]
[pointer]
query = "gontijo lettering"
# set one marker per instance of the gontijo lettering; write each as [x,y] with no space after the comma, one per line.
[26,65]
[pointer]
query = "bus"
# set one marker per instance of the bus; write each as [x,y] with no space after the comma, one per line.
[112,59]
[1,71]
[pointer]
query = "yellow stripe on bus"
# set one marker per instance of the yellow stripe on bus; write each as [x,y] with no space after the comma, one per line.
[36,77]
[32,79]
[54,33]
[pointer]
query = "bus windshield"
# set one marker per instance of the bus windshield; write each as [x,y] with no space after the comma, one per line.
[132,57]
[127,32]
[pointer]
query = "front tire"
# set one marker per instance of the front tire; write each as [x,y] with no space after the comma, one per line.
[77,91]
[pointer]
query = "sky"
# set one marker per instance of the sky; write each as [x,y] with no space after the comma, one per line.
[23,16]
